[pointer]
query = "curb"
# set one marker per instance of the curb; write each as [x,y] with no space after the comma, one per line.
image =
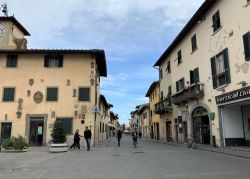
[203,149]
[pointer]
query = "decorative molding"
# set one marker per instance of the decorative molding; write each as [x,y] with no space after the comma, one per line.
[38,97]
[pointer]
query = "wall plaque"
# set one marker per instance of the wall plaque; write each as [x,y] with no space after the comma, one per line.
[38,97]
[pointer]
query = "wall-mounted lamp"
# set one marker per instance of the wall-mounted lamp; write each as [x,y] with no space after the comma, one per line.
[243,83]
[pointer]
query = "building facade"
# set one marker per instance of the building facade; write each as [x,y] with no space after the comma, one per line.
[205,74]
[40,86]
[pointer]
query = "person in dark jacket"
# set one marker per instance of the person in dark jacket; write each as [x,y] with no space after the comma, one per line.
[87,136]
[119,136]
[76,140]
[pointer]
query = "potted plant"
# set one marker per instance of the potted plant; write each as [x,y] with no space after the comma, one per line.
[14,144]
[58,138]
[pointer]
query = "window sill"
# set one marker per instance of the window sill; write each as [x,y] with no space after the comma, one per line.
[215,32]
[222,87]
[194,50]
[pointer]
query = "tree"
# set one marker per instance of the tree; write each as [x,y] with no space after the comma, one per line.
[58,134]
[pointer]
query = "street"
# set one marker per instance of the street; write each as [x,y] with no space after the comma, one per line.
[107,160]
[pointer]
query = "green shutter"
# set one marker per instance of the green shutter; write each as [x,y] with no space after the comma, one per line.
[52,94]
[246,40]
[67,125]
[226,66]
[216,21]
[46,60]
[60,60]
[196,75]
[84,94]
[8,94]
[177,86]
[191,76]
[214,77]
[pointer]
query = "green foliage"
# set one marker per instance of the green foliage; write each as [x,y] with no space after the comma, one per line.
[17,143]
[58,134]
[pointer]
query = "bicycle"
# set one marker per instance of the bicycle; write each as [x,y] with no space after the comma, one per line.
[191,143]
[135,142]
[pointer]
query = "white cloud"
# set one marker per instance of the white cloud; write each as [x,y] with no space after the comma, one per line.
[114,80]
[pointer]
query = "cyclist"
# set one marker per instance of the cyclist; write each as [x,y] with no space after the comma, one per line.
[135,137]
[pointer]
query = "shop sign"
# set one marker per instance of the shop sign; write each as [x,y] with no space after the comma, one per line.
[233,95]
[212,115]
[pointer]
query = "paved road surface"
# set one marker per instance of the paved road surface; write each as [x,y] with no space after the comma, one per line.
[107,161]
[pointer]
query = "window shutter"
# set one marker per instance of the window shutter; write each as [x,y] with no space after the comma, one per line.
[84,94]
[8,94]
[213,67]
[246,40]
[226,66]
[52,94]
[46,61]
[196,75]
[60,60]
[191,76]
[177,86]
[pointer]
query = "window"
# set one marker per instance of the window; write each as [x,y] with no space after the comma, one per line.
[179,58]
[53,61]
[194,43]
[67,125]
[161,95]
[168,67]
[180,85]
[216,21]
[8,94]
[194,76]
[246,41]
[84,94]
[248,1]
[52,94]
[220,69]
[169,91]
[145,115]
[160,74]
[11,61]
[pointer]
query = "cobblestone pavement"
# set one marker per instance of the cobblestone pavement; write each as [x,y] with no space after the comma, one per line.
[107,160]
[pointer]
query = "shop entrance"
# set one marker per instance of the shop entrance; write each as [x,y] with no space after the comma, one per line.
[36,131]
[201,125]
[168,131]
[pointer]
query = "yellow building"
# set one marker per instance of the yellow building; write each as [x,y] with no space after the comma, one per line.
[40,86]
[160,126]
[207,68]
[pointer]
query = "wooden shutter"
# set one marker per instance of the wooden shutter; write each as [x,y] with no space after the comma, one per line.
[46,61]
[67,125]
[246,40]
[196,75]
[214,77]
[52,94]
[191,76]
[60,60]
[84,94]
[226,66]
[8,94]
[216,21]
[193,43]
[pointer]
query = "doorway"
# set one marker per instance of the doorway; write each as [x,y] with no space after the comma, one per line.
[36,131]
[157,131]
[6,130]
[201,125]
[168,131]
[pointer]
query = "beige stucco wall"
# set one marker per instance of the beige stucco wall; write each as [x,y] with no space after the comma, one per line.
[76,68]
[234,19]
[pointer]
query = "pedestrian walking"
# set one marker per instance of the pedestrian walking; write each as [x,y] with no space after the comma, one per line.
[87,136]
[76,140]
[119,136]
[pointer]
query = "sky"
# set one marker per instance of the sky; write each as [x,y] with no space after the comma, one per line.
[133,33]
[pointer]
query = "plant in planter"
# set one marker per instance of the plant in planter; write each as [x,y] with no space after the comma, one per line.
[58,138]
[15,144]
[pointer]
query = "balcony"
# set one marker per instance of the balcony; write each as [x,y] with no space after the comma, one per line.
[192,92]
[164,106]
